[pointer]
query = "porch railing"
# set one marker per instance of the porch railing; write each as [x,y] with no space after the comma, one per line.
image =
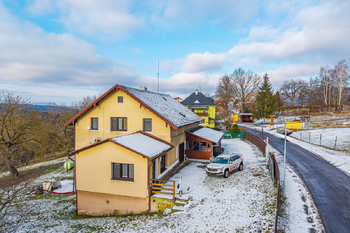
[166,187]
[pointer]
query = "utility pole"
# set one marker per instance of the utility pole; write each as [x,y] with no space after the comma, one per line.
[158,76]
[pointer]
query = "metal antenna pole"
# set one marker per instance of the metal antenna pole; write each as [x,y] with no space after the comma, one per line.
[158,76]
[285,149]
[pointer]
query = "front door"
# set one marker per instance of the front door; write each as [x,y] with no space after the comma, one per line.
[153,169]
[181,152]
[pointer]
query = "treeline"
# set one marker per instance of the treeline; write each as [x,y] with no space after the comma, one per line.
[27,133]
[245,91]
[330,87]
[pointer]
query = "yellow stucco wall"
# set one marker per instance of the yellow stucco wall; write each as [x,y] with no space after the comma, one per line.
[211,111]
[109,107]
[94,170]
[235,118]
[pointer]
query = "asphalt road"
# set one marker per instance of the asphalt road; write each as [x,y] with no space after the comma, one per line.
[329,187]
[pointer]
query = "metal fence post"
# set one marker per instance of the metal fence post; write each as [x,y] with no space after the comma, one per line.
[267,149]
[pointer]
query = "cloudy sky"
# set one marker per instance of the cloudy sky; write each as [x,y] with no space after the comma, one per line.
[62,50]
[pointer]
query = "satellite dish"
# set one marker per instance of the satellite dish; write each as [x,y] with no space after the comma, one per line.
[93,139]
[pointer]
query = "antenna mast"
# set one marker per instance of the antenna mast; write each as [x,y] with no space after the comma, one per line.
[158,76]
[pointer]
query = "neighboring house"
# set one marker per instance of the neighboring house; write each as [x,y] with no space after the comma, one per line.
[203,143]
[246,117]
[105,137]
[219,104]
[202,106]
[251,101]
[178,99]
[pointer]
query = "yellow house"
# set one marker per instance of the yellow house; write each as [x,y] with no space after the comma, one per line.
[235,117]
[118,114]
[113,175]
[203,106]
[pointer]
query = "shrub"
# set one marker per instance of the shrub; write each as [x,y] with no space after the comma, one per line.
[234,129]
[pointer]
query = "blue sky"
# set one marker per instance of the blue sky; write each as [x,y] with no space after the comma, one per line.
[60,51]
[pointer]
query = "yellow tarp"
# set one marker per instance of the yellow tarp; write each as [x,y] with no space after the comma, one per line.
[294,125]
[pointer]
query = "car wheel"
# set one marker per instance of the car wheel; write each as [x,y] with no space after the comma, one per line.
[240,168]
[226,173]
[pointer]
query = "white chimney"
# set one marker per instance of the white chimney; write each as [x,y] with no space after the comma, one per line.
[196,92]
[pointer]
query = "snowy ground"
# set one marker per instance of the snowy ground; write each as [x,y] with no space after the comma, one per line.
[301,213]
[340,159]
[334,138]
[244,202]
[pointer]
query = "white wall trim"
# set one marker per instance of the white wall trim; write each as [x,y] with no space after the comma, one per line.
[168,169]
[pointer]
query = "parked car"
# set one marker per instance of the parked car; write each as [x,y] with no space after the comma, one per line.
[224,164]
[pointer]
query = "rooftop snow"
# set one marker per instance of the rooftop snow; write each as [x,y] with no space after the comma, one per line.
[166,106]
[208,134]
[143,144]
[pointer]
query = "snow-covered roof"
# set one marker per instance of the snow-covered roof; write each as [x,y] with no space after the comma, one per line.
[143,144]
[206,133]
[166,106]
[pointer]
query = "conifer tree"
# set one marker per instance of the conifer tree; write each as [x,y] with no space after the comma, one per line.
[265,100]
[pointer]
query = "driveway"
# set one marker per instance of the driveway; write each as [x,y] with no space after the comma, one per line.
[329,187]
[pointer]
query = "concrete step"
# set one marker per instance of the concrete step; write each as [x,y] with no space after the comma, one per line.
[178,208]
[180,202]
[184,197]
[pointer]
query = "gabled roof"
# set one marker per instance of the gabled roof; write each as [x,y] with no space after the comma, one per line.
[162,105]
[206,133]
[198,99]
[146,145]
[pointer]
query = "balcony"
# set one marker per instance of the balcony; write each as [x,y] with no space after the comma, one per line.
[202,114]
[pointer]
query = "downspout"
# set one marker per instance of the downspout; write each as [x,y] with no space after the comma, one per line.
[149,187]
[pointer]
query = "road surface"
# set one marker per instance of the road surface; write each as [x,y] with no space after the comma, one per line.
[329,187]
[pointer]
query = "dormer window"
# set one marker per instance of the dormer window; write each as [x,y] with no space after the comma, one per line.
[120,99]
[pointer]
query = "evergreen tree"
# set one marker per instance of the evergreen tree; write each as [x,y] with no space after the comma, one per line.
[279,101]
[265,100]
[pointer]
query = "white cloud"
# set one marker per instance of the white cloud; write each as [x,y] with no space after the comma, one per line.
[105,19]
[200,62]
[28,54]
[315,36]
[300,71]
[183,82]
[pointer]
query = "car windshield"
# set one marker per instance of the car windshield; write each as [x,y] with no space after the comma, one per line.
[220,160]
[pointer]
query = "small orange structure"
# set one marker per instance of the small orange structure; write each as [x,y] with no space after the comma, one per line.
[295,125]
[272,121]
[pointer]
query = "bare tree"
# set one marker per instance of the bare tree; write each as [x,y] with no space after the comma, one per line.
[341,78]
[17,121]
[207,94]
[244,84]
[224,92]
[13,210]
[326,83]
[84,102]
[290,89]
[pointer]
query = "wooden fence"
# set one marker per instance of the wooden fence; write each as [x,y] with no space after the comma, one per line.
[256,141]
[275,174]
[163,187]
[273,167]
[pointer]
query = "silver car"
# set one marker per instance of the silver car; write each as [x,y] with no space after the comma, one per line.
[224,164]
